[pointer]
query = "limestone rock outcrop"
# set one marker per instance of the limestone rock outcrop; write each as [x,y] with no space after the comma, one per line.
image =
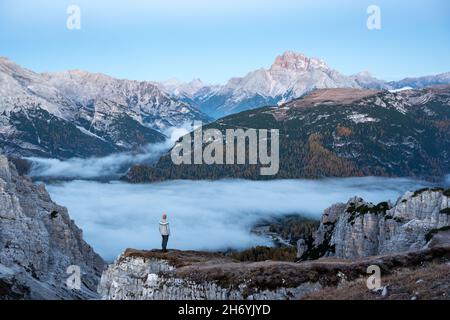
[38,242]
[190,275]
[359,229]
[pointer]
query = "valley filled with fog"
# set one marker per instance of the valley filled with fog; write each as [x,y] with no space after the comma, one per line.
[204,215]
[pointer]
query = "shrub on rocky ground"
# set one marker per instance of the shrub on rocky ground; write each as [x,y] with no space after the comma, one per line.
[261,253]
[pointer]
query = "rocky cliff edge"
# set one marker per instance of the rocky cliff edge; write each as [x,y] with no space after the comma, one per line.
[38,242]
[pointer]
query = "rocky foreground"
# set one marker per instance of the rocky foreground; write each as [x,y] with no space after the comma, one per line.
[38,242]
[408,241]
[360,229]
[152,275]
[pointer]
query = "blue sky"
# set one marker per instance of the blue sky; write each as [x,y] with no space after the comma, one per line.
[215,40]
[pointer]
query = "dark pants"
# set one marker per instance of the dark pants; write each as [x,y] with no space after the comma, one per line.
[165,239]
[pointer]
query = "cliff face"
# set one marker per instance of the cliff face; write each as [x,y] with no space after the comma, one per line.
[359,229]
[152,275]
[188,275]
[38,241]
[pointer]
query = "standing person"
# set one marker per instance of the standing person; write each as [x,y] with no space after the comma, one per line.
[165,231]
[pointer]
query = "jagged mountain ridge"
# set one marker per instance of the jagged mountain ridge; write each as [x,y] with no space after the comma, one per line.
[141,100]
[421,82]
[338,133]
[40,112]
[290,76]
[77,113]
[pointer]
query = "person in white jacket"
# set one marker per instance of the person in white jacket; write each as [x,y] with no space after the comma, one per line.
[165,231]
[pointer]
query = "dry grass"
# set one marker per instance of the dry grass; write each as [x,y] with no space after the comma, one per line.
[178,258]
[430,282]
[343,96]
[401,271]
[343,131]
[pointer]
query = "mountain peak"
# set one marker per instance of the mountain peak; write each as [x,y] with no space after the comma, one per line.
[10,66]
[4,59]
[297,61]
[363,74]
[196,82]
[173,82]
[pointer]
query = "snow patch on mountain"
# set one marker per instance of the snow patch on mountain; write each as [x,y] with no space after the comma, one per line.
[361,118]
[290,76]
[400,89]
[48,114]
[89,133]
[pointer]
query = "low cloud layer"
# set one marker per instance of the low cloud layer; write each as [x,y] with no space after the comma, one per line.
[204,215]
[89,168]
[110,166]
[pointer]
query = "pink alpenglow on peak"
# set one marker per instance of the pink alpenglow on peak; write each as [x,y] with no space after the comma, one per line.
[297,61]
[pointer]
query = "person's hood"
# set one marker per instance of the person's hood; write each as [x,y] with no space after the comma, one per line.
[163,222]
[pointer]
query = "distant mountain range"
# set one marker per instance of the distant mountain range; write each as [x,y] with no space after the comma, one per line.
[82,114]
[338,133]
[290,76]
[77,113]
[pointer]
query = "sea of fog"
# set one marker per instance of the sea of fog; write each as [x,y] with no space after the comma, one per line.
[204,215]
